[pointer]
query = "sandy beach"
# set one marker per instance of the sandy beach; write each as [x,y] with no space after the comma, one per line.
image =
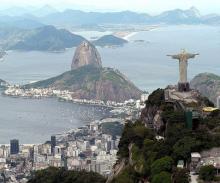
[127,35]
[130,35]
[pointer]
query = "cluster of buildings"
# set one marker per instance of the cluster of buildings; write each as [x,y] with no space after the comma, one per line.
[86,148]
[16,90]
[15,162]
[66,95]
[208,157]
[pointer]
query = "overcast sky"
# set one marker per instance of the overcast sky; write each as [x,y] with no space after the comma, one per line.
[148,6]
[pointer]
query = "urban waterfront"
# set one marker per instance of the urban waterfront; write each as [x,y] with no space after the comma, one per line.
[35,120]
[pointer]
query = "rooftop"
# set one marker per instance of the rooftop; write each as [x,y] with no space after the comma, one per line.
[195,155]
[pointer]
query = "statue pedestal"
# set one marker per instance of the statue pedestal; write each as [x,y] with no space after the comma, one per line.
[183,87]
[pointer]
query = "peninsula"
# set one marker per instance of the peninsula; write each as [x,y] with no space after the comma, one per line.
[87,80]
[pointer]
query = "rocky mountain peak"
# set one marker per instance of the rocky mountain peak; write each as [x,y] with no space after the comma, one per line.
[86,54]
[208,84]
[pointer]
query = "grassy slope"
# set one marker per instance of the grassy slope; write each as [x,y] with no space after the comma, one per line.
[90,82]
[86,74]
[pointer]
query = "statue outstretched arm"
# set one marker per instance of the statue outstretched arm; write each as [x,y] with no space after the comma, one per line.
[174,56]
[189,55]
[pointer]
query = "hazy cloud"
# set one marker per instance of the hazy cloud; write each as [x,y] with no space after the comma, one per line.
[148,6]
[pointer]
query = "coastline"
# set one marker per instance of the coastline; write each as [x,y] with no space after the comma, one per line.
[70,116]
[62,95]
[124,109]
[127,35]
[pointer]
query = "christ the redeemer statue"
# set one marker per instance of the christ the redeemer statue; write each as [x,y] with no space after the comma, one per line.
[183,57]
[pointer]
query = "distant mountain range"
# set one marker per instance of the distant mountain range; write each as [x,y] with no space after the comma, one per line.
[51,16]
[35,29]
[46,38]
[177,16]
[19,22]
[20,11]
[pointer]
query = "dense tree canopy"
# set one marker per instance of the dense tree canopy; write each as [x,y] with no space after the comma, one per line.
[163,177]
[156,98]
[156,160]
[127,176]
[207,173]
[161,165]
[55,175]
[133,133]
[181,175]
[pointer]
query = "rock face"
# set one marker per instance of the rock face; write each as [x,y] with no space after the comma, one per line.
[208,84]
[149,115]
[86,54]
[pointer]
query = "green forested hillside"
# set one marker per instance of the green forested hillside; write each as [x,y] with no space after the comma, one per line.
[55,175]
[149,159]
[44,38]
